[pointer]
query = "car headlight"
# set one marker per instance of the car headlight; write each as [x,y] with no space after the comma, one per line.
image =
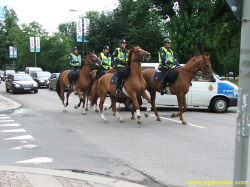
[41,80]
[17,85]
[48,81]
[35,84]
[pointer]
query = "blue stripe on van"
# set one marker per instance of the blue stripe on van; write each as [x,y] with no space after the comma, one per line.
[226,89]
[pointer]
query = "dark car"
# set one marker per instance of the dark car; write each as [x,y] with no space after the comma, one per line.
[53,80]
[41,78]
[20,83]
[6,73]
[231,74]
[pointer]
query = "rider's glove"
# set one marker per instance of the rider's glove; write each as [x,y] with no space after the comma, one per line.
[168,62]
[176,63]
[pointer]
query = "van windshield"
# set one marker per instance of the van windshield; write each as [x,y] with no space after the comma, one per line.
[215,74]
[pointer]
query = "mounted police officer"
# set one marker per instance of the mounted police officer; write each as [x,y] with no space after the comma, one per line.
[166,62]
[105,57]
[75,61]
[120,58]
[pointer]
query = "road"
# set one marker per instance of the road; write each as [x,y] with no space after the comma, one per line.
[156,154]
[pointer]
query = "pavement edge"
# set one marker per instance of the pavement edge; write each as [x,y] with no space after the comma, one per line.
[15,104]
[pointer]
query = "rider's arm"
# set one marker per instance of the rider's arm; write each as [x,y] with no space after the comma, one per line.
[70,58]
[114,55]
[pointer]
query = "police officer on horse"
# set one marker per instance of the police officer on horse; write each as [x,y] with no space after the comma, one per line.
[120,58]
[166,62]
[105,57]
[75,61]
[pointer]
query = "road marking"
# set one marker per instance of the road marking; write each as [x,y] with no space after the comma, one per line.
[25,146]
[25,137]
[190,124]
[10,125]
[36,160]
[4,117]
[14,130]
[7,120]
[23,141]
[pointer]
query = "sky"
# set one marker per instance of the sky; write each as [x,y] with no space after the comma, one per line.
[50,13]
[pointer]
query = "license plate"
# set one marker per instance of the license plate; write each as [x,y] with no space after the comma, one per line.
[27,88]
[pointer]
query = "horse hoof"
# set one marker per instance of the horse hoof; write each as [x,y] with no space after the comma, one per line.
[76,106]
[84,113]
[64,111]
[173,115]
[146,115]
[184,123]
[133,118]
[96,110]
[105,121]
[114,114]
[139,122]
[106,108]
[86,109]
[158,119]
[121,120]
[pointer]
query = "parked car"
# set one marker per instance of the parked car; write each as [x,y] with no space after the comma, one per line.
[20,72]
[53,80]
[32,70]
[41,78]
[231,74]
[8,72]
[1,74]
[20,83]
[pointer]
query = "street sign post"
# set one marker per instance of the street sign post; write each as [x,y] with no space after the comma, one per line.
[243,112]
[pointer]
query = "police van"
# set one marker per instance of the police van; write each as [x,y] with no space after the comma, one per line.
[217,96]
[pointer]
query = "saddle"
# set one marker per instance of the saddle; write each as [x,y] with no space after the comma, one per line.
[113,80]
[170,77]
[73,75]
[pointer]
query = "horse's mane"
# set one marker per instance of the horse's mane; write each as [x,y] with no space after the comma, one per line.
[130,51]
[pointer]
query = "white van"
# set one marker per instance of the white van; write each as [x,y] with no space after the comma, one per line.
[32,70]
[217,96]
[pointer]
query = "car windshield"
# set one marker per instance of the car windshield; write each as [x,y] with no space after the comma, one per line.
[9,72]
[1,72]
[22,78]
[215,74]
[43,74]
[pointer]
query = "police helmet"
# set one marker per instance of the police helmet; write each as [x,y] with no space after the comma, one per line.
[106,47]
[122,41]
[74,48]
[166,40]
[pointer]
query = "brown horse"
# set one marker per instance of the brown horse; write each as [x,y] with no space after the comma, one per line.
[134,86]
[82,83]
[181,86]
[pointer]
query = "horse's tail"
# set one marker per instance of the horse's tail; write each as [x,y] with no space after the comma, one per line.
[94,93]
[58,87]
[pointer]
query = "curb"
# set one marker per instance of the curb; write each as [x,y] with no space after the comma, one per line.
[68,174]
[14,105]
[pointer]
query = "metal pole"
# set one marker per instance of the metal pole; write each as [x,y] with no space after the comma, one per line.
[83,37]
[243,112]
[13,57]
[35,49]
[35,57]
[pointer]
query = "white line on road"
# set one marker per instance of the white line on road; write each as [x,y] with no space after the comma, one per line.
[4,117]
[36,160]
[10,125]
[6,121]
[14,130]
[180,122]
[25,146]
[25,137]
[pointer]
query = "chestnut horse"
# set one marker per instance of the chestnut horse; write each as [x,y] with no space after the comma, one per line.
[134,86]
[82,83]
[181,86]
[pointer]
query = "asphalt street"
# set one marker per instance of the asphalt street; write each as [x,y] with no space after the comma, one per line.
[166,152]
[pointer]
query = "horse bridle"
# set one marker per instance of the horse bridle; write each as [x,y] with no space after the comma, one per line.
[142,57]
[95,61]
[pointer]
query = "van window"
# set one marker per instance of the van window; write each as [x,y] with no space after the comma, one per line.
[201,77]
[146,67]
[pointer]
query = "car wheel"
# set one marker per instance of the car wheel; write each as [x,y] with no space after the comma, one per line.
[35,91]
[219,105]
[7,90]
[50,87]
[13,90]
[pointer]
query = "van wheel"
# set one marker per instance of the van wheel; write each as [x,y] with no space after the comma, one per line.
[7,90]
[219,105]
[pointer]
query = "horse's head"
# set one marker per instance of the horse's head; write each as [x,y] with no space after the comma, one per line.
[206,68]
[141,55]
[95,60]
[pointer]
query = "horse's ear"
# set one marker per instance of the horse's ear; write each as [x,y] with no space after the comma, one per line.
[88,52]
[132,47]
[94,51]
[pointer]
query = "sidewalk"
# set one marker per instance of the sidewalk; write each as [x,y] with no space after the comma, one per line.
[8,104]
[15,176]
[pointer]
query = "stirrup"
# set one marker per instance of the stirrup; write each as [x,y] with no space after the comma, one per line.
[118,92]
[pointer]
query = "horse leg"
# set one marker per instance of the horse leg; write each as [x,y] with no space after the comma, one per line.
[137,106]
[132,112]
[78,91]
[96,107]
[181,99]
[83,102]
[67,96]
[87,105]
[62,98]
[152,96]
[149,103]
[102,99]
[113,105]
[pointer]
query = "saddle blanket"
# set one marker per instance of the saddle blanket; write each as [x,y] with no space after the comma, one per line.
[158,76]
[113,79]
[170,77]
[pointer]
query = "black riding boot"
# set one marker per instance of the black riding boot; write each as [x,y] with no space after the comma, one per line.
[118,86]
